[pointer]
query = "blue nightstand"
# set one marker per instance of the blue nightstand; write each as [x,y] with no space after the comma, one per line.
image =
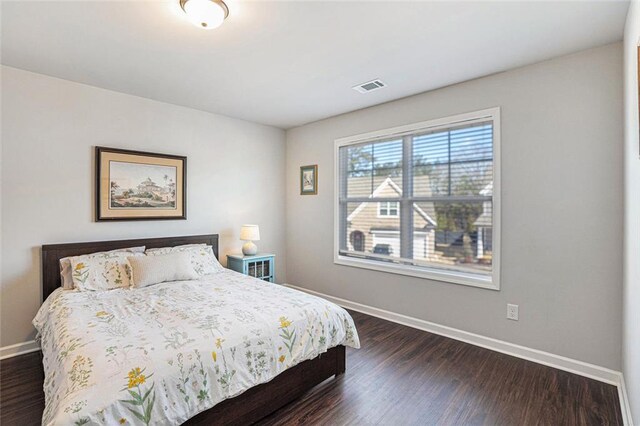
[261,265]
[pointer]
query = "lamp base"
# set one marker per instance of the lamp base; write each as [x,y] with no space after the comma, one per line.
[249,249]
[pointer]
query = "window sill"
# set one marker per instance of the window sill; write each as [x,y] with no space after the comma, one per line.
[430,274]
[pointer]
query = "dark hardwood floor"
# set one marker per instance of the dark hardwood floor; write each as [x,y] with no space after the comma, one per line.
[21,394]
[400,376]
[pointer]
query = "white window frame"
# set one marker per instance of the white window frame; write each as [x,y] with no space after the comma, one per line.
[388,209]
[492,281]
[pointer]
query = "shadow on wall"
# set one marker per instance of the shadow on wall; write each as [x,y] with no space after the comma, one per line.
[13,289]
[229,246]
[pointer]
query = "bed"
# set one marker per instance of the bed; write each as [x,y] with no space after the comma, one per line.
[223,349]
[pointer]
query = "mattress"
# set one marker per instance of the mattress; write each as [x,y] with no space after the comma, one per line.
[164,353]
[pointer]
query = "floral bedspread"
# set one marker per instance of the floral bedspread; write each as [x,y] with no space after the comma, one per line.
[162,354]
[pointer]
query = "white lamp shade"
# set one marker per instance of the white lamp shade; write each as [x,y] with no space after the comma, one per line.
[205,14]
[250,233]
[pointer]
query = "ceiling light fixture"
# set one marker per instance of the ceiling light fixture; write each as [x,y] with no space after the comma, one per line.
[207,14]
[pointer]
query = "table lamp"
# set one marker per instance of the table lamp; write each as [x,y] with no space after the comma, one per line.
[249,233]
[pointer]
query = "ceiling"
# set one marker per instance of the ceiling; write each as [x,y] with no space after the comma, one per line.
[290,63]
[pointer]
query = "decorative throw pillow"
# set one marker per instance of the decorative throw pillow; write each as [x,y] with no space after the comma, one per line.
[102,271]
[65,265]
[202,258]
[148,270]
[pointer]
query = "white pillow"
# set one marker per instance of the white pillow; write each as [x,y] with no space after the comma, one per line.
[65,265]
[147,270]
[202,258]
[102,271]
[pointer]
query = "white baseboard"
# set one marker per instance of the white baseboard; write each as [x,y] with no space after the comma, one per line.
[624,402]
[18,349]
[581,368]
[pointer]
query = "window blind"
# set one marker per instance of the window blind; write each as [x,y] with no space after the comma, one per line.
[422,199]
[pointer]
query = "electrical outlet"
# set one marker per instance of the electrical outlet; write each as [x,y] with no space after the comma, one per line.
[512,312]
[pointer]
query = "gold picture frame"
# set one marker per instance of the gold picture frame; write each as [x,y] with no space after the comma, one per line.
[309,180]
[137,185]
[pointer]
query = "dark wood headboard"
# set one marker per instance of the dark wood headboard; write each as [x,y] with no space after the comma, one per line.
[52,253]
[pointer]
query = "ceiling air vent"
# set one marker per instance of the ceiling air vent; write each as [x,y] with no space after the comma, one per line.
[369,86]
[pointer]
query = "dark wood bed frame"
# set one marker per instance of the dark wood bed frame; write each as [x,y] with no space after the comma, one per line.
[253,404]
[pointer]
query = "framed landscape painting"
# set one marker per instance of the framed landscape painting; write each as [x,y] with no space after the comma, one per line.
[309,180]
[135,185]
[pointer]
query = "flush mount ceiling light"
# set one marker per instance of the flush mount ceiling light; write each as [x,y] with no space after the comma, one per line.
[207,14]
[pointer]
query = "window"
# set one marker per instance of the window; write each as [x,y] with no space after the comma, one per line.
[388,208]
[422,200]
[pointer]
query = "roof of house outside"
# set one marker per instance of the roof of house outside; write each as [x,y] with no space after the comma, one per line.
[371,186]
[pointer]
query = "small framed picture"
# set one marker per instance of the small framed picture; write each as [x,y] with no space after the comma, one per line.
[309,180]
[135,185]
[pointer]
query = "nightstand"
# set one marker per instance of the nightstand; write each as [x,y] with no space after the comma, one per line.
[261,265]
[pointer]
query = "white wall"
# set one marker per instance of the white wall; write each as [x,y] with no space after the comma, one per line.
[235,176]
[631,295]
[561,209]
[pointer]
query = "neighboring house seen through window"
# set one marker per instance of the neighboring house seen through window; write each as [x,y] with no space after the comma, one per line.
[422,200]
